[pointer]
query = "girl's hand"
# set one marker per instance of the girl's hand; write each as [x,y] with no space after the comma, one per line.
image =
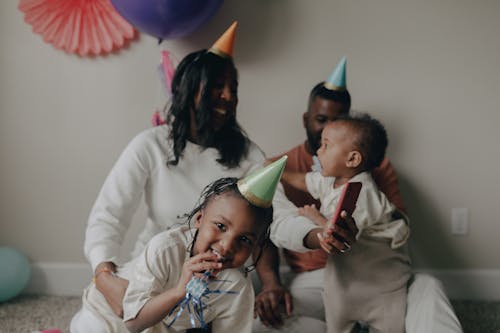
[197,265]
[313,214]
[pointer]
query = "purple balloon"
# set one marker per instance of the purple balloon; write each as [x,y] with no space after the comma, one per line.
[167,18]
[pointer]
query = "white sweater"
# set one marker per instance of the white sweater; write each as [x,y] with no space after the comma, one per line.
[169,193]
[373,213]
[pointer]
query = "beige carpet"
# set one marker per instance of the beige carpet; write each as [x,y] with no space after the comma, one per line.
[27,314]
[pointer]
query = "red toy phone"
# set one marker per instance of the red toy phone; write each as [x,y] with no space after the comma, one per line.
[347,200]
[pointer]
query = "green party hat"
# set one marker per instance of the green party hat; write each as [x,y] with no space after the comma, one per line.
[259,187]
[337,80]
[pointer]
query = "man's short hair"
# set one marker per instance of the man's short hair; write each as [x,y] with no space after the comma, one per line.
[340,96]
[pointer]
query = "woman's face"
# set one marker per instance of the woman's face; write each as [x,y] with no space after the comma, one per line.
[227,227]
[223,98]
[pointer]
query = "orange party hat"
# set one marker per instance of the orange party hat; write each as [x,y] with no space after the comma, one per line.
[224,45]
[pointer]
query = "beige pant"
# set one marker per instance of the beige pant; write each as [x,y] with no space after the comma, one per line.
[367,284]
[428,309]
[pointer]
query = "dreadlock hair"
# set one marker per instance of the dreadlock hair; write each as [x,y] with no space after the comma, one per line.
[370,138]
[341,96]
[199,70]
[263,216]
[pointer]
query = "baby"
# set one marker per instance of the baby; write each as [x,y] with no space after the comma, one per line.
[368,282]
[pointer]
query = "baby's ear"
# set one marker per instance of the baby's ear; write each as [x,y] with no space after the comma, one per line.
[354,159]
[197,218]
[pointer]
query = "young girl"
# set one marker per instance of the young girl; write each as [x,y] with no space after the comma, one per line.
[368,282]
[230,221]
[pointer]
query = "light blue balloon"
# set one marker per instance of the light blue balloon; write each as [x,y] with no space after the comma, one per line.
[15,272]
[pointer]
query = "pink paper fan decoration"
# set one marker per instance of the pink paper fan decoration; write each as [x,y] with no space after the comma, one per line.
[86,27]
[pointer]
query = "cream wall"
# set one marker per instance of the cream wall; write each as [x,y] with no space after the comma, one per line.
[430,70]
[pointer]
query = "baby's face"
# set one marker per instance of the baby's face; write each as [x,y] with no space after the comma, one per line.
[336,144]
[227,227]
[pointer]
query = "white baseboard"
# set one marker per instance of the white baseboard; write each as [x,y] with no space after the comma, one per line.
[61,279]
[66,279]
[475,284]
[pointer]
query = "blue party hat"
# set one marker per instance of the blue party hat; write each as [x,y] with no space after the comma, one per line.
[337,80]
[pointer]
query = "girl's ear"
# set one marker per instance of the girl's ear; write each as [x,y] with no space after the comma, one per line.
[197,219]
[354,159]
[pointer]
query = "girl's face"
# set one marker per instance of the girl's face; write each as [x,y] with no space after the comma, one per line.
[227,227]
[223,98]
[336,149]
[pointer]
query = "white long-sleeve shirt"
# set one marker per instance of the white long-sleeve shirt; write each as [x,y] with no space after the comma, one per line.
[169,193]
[373,213]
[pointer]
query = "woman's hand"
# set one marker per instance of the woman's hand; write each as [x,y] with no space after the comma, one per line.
[268,305]
[196,265]
[112,287]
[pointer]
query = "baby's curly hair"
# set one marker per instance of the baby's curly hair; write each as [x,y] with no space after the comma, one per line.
[371,139]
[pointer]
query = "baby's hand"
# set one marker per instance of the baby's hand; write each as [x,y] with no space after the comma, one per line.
[267,162]
[198,264]
[313,214]
[325,240]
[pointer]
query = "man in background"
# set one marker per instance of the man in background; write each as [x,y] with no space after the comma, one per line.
[428,309]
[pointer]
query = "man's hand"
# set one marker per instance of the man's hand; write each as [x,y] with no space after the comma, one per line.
[339,237]
[333,239]
[268,305]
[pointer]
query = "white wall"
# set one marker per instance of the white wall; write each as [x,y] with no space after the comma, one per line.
[430,70]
